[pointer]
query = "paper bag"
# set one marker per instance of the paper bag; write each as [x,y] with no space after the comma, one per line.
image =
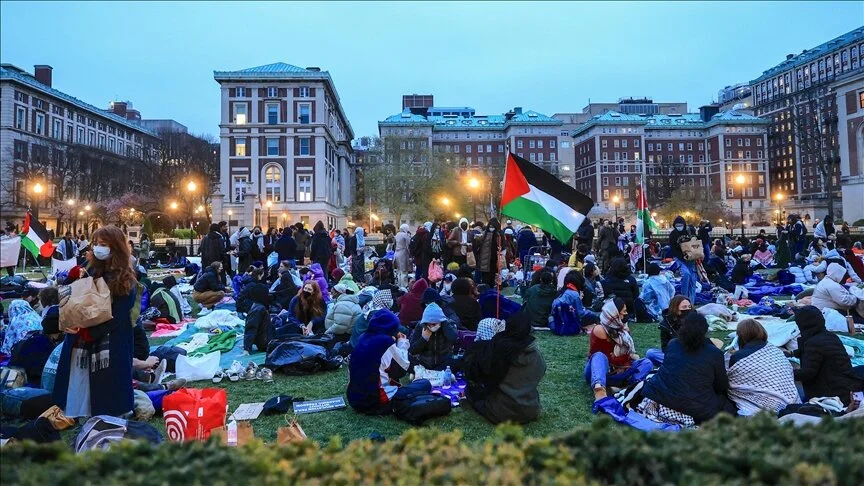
[85,303]
[290,434]
[234,434]
[693,250]
[471,260]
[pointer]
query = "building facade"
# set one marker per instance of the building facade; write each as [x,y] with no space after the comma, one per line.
[74,151]
[695,152]
[285,148]
[796,97]
[849,93]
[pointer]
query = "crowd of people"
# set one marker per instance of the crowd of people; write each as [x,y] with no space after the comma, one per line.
[424,303]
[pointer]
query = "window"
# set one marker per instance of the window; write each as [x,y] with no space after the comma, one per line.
[80,138]
[69,133]
[728,154]
[305,143]
[540,157]
[861,100]
[304,93]
[605,181]
[701,157]
[603,143]
[728,142]
[690,158]
[701,146]
[456,148]
[305,113]
[539,143]
[605,193]
[532,144]
[565,144]
[468,160]
[272,92]
[58,129]
[519,144]
[669,147]
[533,157]
[740,142]
[240,113]
[740,154]
[240,147]
[617,155]
[272,113]
[111,144]
[241,92]
[273,183]
[623,143]
[552,144]
[758,154]
[636,156]
[758,142]
[480,148]
[689,146]
[91,138]
[680,146]
[747,142]
[40,123]
[480,159]
[605,156]
[101,141]
[626,181]
[272,146]
[304,188]
[616,143]
[239,187]
[467,149]
[617,181]
[20,150]
[489,148]
[500,148]
[20,117]
[650,147]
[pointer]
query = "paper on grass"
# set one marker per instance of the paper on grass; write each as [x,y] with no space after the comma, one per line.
[247,411]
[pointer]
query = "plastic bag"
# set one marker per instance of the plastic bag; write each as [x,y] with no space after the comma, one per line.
[198,368]
[435,272]
[191,413]
[272,259]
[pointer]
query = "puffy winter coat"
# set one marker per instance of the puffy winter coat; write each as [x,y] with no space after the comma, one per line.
[343,314]
[826,370]
[208,281]
[830,293]
[524,242]
[620,282]
[434,353]
[317,273]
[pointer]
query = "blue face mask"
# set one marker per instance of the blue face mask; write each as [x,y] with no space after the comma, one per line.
[679,227]
[101,252]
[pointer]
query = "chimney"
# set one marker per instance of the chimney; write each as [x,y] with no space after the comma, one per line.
[314,69]
[118,108]
[517,110]
[789,56]
[708,111]
[42,73]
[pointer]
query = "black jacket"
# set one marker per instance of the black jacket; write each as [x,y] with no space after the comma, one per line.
[212,248]
[585,233]
[676,237]
[668,329]
[249,287]
[620,281]
[826,370]
[468,310]
[259,327]
[741,272]
[705,233]
[320,251]
[209,281]
[693,383]
[286,247]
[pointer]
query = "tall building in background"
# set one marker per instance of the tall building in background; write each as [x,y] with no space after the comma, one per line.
[738,97]
[796,97]
[849,93]
[286,152]
[693,152]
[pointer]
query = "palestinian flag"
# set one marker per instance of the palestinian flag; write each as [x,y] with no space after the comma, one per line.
[35,239]
[539,198]
[644,221]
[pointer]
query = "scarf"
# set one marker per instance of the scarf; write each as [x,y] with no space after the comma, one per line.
[610,319]
[96,354]
[762,381]
[488,328]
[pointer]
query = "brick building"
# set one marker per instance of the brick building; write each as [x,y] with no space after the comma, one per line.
[75,151]
[849,92]
[693,152]
[797,98]
[285,148]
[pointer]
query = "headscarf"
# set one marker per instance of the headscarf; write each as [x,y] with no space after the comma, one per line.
[22,320]
[488,328]
[403,228]
[360,234]
[428,225]
[610,319]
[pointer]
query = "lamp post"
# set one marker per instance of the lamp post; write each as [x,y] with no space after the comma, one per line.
[779,198]
[87,209]
[474,184]
[269,207]
[191,187]
[230,213]
[740,180]
[38,189]
[70,203]
[615,201]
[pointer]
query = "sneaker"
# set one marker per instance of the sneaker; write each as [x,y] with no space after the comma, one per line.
[234,371]
[264,374]
[219,376]
[251,372]
[159,371]
[174,385]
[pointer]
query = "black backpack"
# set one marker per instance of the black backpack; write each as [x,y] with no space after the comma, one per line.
[418,406]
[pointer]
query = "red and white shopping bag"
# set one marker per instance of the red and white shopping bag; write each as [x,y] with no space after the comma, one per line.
[191,413]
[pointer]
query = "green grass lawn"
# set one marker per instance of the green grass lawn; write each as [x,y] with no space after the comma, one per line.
[565,397]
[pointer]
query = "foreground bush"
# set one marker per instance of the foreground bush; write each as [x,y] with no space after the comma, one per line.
[727,451]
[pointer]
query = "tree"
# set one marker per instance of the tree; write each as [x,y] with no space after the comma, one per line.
[814,123]
[697,202]
[181,158]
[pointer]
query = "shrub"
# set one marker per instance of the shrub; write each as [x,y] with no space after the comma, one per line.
[725,451]
[859,222]
[184,234]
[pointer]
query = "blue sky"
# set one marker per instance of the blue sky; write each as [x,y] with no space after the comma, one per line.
[549,57]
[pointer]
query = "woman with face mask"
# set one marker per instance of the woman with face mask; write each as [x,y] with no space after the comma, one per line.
[458,242]
[94,373]
[307,310]
[680,233]
[673,316]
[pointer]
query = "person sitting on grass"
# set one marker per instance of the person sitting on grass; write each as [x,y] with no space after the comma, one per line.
[259,327]
[342,315]
[760,375]
[166,302]
[592,292]
[826,370]
[411,304]
[377,363]
[382,299]
[537,301]
[433,339]
[570,296]
[620,282]
[504,368]
[678,308]
[692,380]
[284,288]
[209,290]
[465,303]
[741,272]
[657,291]
[307,310]
[612,358]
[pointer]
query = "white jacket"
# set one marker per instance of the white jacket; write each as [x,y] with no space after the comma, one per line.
[813,268]
[343,314]
[829,293]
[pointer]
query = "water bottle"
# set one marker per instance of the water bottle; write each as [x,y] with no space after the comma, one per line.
[448,378]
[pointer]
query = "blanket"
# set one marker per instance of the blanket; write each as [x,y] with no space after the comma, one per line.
[780,334]
[857,347]
[762,381]
[167,330]
[222,342]
[218,318]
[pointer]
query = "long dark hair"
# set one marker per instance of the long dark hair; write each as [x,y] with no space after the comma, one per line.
[573,278]
[693,331]
[117,269]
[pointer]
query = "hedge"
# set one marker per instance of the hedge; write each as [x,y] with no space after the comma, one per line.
[727,451]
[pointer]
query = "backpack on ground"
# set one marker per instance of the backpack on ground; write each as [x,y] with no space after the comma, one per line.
[417,404]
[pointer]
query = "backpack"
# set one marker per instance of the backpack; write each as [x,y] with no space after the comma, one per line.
[565,321]
[31,354]
[417,406]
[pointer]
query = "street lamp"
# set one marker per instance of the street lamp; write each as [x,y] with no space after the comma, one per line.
[269,206]
[474,184]
[38,189]
[230,213]
[616,200]
[779,198]
[445,201]
[740,181]
[191,186]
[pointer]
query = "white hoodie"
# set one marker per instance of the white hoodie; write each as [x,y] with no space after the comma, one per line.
[830,292]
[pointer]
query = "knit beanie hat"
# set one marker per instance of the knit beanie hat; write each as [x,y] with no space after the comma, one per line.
[433,315]
[452,267]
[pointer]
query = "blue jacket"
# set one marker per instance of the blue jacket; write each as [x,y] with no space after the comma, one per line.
[377,362]
[524,242]
[571,298]
[657,291]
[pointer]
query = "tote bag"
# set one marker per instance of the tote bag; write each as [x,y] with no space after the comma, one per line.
[191,413]
[85,303]
[692,250]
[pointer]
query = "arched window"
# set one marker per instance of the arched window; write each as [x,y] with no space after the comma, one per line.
[273,183]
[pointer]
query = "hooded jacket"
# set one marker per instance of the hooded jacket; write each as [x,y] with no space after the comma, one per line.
[348,281]
[212,247]
[741,272]
[830,293]
[455,239]
[486,248]
[465,306]
[834,256]
[401,255]
[259,328]
[620,281]
[301,240]
[676,237]
[585,233]
[657,291]
[343,314]
[435,353]
[286,247]
[525,240]
[317,273]
[537,303]
[377,363]
[411,304]
[826,370]
[320,247]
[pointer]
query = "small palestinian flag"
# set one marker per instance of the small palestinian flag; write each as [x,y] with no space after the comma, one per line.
[539,198]
[645,223]
[35,238]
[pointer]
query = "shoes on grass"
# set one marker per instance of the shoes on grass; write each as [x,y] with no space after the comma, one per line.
[235,371]
[219,376]
[251,372]
[160,371]
[264,374]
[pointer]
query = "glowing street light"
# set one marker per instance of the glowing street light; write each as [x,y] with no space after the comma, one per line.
[191,186]
[70,202]
[87,208]
[473,183]
[200,209]
[38,188]
[445,201]
[458,215]
[173,205]
[616,200]
[740,180]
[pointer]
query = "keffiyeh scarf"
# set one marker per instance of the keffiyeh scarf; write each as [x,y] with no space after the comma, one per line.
[610,319]
[488,328]
[763,380]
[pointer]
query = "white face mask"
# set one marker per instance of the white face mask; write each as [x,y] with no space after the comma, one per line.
[435,327]
[679,227]
[101,252]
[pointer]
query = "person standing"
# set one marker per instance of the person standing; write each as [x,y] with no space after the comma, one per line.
[356,248]
[402,255]
[704,232]
[525,240]
[286,247]
[212,247]
[421,250]
[585,233]
[301,239]
[458,242]
[68,249]
[608,245]
[486,247]
[320,247]
[680,233]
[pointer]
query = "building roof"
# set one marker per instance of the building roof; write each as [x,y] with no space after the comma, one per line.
[687,120]
[809,55]
[476,122]
[13,73]
[282,70]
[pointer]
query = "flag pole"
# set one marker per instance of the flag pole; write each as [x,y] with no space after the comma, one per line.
[642,196]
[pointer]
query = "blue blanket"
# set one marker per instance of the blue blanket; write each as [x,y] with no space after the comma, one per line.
[611,407]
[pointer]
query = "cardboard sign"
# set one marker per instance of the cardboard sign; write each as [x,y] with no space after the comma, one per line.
[327,404]
[247,411]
